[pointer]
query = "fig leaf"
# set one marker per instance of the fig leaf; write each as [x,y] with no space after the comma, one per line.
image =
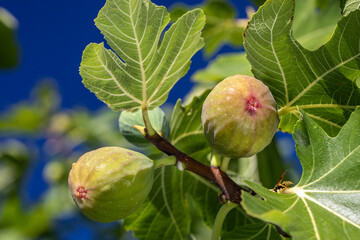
[325,203]
[324,78]
[141,71]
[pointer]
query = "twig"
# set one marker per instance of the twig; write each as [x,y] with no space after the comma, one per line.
[230,189]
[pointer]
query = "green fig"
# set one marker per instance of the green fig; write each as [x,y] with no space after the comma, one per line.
[239,117]
[127,120]
[110,183]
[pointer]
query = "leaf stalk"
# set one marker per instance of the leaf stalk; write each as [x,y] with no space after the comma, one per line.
[149,128]
[167,161]
[219,220]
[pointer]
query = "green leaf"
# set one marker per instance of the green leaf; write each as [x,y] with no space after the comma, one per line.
[259,2]
[323,21]
[310,36]
[31,222]
[165,215]
[186,131]
[23,118]
[8,45]
[146,70]
[349,5]
[187,135]
[321,4]
[127,120]
[324,78]
[96,128]
[222,27]
[257,231]
[270,165]
[223,66]
[325,203]
[167,212]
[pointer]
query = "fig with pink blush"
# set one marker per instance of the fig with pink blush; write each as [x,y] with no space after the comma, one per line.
[239,117]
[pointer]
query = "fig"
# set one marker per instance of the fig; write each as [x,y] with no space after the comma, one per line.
[110,183]
[239,117]
[128,119]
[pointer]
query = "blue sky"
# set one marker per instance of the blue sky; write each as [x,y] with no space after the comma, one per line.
[52,36]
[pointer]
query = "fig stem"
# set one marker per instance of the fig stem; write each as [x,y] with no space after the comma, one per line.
[230,189]
[225,164]
[167,161]
[283,111]
[219,220]
[215,160]
[150,130]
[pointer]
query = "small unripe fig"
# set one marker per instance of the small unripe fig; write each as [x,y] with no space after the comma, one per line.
[239,117]
[127,120]
[110,183]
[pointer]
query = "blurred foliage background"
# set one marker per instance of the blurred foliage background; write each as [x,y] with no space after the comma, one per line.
[39,139]
[38,143]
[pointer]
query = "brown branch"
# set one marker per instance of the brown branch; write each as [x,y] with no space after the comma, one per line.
[230,189]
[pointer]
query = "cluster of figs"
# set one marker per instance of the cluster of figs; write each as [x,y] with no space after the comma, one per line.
[239,119]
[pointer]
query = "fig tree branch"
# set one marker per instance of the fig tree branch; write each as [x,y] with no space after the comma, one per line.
[229,188]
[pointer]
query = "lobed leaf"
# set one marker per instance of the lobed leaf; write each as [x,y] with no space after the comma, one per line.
[222,26]
[257,231]
[142,69]
[223,66]
[325,203]
[311,36]
[323,21]
[349,5]
[321,82]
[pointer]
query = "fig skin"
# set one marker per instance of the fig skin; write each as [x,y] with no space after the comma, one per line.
[110,183]
[239,117]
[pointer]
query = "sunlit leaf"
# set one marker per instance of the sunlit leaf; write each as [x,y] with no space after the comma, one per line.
[311,36]
[349,5]
[322,82]
[140,72]
[325,203]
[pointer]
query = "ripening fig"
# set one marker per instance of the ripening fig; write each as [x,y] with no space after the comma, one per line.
[239,117]
[110,183]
